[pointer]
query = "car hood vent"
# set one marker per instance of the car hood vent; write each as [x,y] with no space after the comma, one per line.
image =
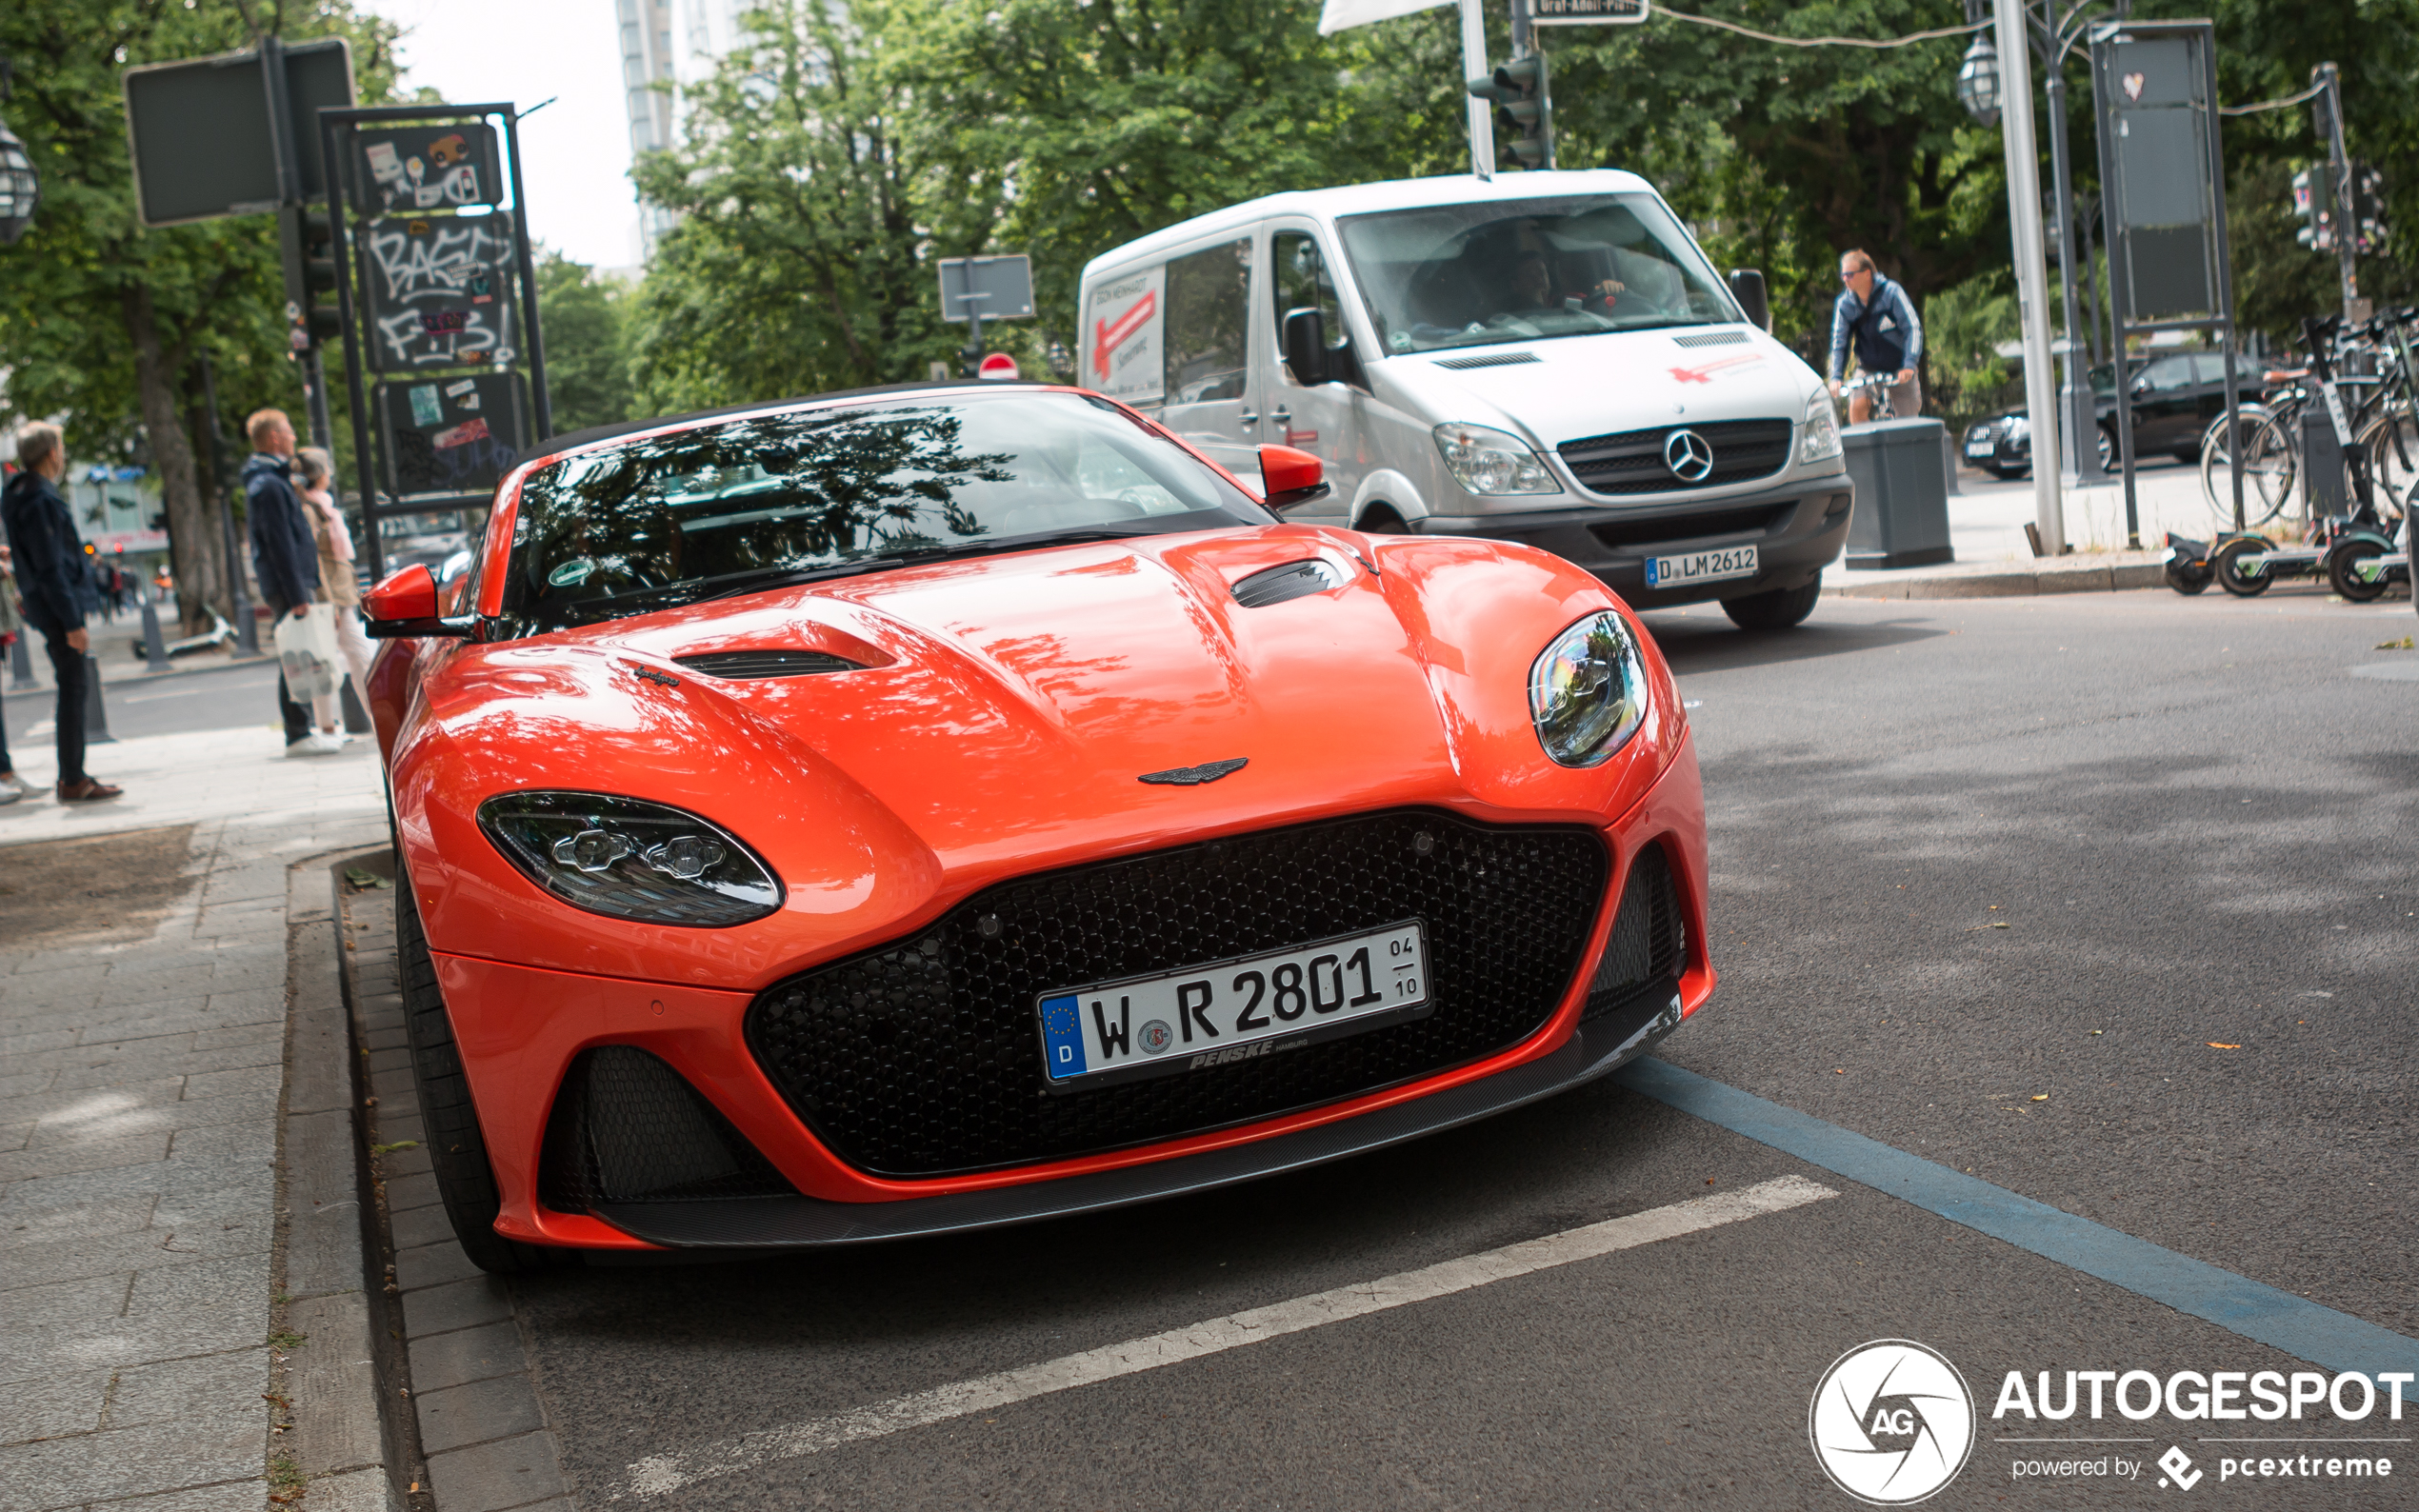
[1711,338]
[749,665]
[1293,579]
[1500,359]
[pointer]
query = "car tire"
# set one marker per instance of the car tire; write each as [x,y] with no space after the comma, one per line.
[2231,577]
[457,1152]
[1780,610]
[2003,475]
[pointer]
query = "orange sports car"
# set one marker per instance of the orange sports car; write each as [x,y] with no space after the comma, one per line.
[932,808]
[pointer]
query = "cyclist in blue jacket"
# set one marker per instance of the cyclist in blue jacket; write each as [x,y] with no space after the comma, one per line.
[1874,313]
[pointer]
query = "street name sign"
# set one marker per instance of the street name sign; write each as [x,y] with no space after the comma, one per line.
[1588,12]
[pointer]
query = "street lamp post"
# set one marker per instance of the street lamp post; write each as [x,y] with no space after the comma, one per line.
[2033,289]
[20,189]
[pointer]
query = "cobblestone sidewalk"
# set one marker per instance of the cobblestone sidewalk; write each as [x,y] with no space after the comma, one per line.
[140,1096]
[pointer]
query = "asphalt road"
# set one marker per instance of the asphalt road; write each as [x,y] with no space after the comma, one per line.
[1993,882]
[220,698]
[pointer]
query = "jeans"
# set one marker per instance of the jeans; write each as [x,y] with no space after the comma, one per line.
[66,665]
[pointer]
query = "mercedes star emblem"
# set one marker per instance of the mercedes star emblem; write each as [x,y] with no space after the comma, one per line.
[1688,455]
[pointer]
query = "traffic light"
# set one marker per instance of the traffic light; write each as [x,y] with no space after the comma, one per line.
[1523,113]
[2312,203]
[308,246]
[2369,206]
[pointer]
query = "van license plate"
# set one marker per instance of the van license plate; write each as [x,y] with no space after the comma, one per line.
[1701,567]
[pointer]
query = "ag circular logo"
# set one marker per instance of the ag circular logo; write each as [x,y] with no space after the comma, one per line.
[1156,1037]
[1688,456]
[1892,1422]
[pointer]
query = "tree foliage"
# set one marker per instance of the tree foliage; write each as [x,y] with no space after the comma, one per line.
[586,322]
[106,320]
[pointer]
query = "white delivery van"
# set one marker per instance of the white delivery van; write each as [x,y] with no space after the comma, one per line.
[1546,358]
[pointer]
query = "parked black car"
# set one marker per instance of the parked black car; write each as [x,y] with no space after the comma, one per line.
[2176,396]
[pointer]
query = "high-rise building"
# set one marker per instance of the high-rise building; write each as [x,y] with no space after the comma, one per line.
[646,72]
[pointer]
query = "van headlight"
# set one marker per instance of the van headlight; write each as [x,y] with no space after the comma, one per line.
[1587,692]
[630,859]
[1819,442]
[1483,460]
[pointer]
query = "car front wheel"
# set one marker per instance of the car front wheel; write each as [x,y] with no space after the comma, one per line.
[1779,610]
[457,1152]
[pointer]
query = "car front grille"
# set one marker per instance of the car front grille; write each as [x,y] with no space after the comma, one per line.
[1649,948]
[1632,461]
[923,1057]
[1759,520]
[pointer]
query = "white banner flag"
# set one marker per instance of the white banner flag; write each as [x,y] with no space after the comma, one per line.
[1337,14]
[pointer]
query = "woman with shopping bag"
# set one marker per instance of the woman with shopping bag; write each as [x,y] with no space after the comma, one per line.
[339,586]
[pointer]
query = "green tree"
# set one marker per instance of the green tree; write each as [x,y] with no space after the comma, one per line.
[104,318]
[801,260]
[584,319]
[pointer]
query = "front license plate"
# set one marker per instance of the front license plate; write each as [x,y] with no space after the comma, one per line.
[1980,448]
[1234,1010]
[1701,567]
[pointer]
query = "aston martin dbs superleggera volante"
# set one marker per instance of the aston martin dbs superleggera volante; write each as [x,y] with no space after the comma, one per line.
[925,808]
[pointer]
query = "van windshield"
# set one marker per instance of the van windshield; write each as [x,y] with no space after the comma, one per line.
[1467,275]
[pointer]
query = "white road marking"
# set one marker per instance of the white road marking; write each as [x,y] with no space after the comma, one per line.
[658,1475]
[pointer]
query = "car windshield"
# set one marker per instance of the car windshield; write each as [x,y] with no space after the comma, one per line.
[752,503]
[1467,275]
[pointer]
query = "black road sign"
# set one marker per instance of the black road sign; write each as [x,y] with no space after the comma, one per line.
[445,437]
[440,291]
[199,130]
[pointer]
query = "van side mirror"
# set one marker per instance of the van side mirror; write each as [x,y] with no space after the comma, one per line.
[1289,477]
[404,607]
[1306,351]
[1747,287]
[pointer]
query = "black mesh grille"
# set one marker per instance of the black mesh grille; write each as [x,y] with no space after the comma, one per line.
[1278,584]
[923,1057]
[1650,944]
[1757,521]
[627,1128]
[1632,461]
[742,664]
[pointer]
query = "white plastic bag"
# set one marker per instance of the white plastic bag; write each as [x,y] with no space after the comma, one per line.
[306,653]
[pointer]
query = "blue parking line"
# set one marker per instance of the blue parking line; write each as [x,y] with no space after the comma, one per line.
[2294,1325]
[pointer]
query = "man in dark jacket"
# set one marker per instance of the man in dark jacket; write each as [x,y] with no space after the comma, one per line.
[1874,315]
[284,555]
[52,581]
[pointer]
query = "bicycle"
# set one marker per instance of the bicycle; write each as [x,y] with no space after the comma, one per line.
[1882,383]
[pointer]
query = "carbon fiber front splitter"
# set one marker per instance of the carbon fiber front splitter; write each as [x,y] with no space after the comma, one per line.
[798,1223]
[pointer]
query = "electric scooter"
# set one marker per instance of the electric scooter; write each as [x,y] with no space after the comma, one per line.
[2245,565]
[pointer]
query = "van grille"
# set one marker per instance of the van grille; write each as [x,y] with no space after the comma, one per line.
[1632,461]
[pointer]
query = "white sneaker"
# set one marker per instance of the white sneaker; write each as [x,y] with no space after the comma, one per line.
[314,744]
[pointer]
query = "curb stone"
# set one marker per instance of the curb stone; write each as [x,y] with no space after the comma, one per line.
[477,1435]
[329,1447]
[2055,575]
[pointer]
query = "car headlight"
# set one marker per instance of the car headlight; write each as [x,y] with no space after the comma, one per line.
[1487,460]
[630,859]
[1587,692]
[1820,439]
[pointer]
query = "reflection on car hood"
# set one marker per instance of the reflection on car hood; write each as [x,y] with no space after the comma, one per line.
[1592,386]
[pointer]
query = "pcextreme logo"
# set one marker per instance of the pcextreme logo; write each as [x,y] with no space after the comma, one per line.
[1892,1422]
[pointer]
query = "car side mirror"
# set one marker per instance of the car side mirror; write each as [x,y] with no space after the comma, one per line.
[1306,351]
[404,607]
[1747,287]
[1289,477]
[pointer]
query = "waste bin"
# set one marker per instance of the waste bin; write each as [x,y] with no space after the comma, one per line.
[1902,498]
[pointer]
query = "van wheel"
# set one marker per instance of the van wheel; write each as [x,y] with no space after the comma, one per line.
[1381,521]
[457,1152]
[1776,610]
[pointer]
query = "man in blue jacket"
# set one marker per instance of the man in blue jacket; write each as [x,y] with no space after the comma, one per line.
[1874,315]
[284,555]
[57,589]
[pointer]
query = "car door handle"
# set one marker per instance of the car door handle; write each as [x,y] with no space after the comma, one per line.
[1283,417]
[1248,418]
